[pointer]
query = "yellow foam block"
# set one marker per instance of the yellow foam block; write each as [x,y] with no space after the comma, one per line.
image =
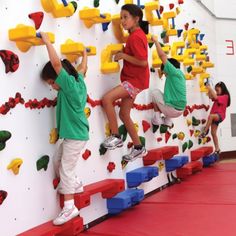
[199,55]
[107,65]
[197,70]
[128,1]
[15,165]
[150,17]
[207,64]
[92,16]
[187,53]
[57,9]
[25,37]
[118,30]
[202,77]
[156,61]
[73,50]
[170,31]
[174,50]
[192,38]
[188,76]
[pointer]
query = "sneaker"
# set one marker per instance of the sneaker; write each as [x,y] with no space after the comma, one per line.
[157,121]
[66,215]
[168,122]
[135,153]
[112,142]
[203,135]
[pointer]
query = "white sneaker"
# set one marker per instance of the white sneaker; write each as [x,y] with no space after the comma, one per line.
[112,142]
[157,121]
[168,122]
[66,215]
[135,153]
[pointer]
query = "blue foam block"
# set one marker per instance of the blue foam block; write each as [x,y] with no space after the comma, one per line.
[211,159]
[175,163]
[124,200]
[138,176]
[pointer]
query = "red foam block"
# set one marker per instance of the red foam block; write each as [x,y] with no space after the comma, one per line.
[169,151]
[189,169]
[72,227]
[108,188]
[201,152]
[152,157]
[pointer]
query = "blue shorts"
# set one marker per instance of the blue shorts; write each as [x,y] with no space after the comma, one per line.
[218,121]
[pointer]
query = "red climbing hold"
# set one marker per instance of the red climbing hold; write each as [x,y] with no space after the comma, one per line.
[180,1]
[3,196]
[86,154]
[130,145]
[167,136]
[111,166]
[161,9]
[37,17]
[171,6]
[191,132]
[55,182]
[10,60]
[146,126]
[203,121]
[185,113]
[159,139]
[186,26]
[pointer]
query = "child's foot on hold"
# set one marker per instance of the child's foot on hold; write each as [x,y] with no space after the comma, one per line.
[136,152]
[203,134]
[157,120]
[66,215]
[218,152]
[112,142]
[168,122]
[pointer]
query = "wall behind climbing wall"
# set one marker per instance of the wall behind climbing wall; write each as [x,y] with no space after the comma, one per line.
[31,198]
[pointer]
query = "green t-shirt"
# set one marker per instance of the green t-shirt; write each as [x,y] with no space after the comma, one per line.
[71,100]
[175,87]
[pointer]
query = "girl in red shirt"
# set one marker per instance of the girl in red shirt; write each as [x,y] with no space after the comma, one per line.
[134,78]
[221,98]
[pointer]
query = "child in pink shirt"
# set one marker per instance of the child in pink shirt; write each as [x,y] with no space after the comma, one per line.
[221,98]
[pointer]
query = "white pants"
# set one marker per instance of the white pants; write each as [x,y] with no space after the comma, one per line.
[65,161]
[168,111]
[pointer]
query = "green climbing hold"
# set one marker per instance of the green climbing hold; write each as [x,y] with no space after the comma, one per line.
[117,1]
[150,45]
[42,163]
[163,34]
[155,128]
[174,136]
[190,144]
[123,132]
[189,69]
[163,129]
[75,5]
[184,147]
[195,122]
[96,3]
[4,136]
[199,141]
[142,140]
[102,150]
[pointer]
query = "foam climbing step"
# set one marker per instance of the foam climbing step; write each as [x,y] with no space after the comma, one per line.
[108,189]
[163,153]
[72,227]
[138,176]
[210,159]
[201,152]
[124,200]
[175,163]
[189,169]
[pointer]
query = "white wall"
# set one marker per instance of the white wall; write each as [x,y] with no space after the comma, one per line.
[31,198]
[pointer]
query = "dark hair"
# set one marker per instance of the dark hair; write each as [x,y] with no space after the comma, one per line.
[224,90]
[174,62]
[48,71]
[136,11]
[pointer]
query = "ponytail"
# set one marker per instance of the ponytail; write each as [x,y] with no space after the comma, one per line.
[69,68]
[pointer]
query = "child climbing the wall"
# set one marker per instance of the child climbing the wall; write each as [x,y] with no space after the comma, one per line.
[221,100]
[172,103]
[134,79]
[72,124]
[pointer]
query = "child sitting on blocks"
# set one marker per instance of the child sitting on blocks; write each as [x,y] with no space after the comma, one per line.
[172,103]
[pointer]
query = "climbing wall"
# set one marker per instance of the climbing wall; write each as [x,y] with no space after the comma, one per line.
[28,198]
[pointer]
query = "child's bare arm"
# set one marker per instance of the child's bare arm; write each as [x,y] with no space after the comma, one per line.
[82,68]
[131,59]
[160,52]
[211,92]
[53,57]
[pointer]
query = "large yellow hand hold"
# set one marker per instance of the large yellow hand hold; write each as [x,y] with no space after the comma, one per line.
[151,18]
[15,165]
[53,136]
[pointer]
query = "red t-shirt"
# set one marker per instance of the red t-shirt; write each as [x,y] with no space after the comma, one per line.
[136,46]
[220,105]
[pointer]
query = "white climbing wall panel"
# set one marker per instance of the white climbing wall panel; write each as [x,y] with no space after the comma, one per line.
[31,198]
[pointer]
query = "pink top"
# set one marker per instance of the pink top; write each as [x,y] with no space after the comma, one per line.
[220,105]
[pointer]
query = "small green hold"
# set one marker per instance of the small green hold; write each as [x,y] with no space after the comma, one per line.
[142,140]
[163,129]
[123,132]
[174,136]
[195,122]
[190,144]
[102,150]
[199,141]
[117,1]
[189,69]
[4,136]
[42,163]
[150,45]
[163,34]
[155,128]
[75,5]
[184,147]
[96,3]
